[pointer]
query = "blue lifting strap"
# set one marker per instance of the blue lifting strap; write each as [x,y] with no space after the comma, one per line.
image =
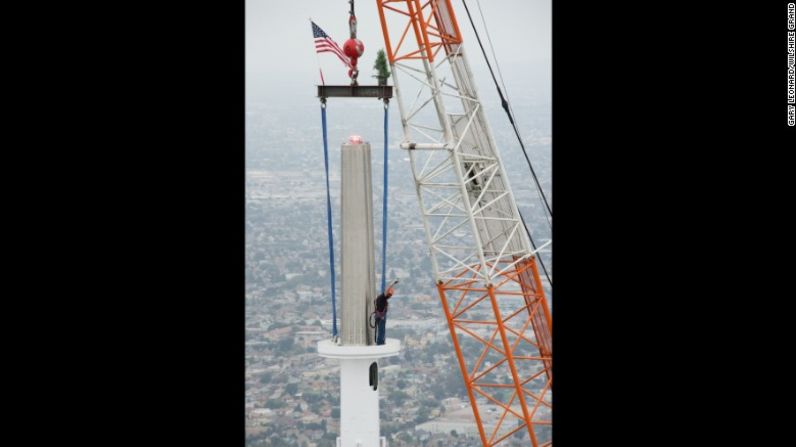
[384,208]
[329,218]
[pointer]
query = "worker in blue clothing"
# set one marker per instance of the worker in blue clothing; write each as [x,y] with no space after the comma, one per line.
[381,315]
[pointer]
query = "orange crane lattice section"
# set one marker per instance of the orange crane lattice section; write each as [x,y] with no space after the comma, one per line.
[499,320]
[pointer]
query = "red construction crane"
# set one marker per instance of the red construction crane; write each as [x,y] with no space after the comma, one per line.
[484,265]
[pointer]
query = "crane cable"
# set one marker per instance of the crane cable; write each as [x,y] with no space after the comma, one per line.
[508,101]
[505,90]
[544,269]
[506,106]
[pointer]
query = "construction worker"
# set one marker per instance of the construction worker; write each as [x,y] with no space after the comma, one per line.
[381,315]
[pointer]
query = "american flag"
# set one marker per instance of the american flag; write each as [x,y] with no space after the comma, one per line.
[324,43]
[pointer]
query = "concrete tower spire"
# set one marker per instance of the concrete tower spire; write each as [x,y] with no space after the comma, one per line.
[358,250]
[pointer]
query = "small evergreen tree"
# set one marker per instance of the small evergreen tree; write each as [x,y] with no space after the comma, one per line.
[381,67]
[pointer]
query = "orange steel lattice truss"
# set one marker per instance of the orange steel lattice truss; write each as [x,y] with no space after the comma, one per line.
[487,278]
[427,25]
[501,335]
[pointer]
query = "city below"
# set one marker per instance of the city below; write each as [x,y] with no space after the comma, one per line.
[292,394]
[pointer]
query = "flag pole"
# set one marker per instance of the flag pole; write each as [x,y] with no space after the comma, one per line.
[317,58]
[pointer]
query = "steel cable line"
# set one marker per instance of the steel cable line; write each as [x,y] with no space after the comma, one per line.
[506,107]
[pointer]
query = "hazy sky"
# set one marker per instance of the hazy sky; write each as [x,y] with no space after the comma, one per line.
[280,52]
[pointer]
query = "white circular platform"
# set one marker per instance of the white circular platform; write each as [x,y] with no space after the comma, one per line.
[328,349]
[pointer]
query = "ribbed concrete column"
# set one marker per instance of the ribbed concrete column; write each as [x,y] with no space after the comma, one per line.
[358,256]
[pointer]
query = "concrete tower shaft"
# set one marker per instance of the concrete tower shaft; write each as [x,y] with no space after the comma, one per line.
[358,250]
